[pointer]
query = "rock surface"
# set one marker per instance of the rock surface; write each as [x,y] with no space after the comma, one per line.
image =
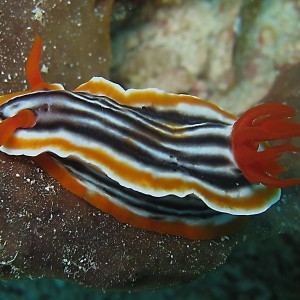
[75,36]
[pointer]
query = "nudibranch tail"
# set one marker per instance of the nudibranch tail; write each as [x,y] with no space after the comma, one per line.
[255,158]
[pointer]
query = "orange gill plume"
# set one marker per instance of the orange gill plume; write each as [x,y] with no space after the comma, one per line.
[256,158]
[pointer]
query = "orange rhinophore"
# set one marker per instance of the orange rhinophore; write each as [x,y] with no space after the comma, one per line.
[167,163]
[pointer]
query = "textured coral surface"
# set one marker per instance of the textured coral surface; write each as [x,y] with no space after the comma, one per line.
[228,52]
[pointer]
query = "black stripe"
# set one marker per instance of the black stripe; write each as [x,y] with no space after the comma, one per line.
[60,105]
[132,152]
[189,207]
[170,115]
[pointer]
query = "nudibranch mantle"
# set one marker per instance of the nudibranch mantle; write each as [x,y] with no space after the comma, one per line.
[168,163]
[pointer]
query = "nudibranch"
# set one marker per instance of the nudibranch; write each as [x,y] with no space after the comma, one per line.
[163,162]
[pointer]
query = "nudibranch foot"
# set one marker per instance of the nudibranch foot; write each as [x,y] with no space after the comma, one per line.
[186,217]
[257,159]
